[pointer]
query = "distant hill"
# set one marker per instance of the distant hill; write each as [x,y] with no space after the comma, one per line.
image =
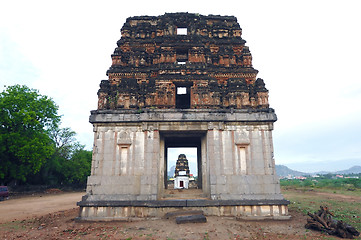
[284,171]
[354,169]
[171,171]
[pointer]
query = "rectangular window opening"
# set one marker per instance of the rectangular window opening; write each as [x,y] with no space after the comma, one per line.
[183,97]
[182,55]
[181,90]
[181,31]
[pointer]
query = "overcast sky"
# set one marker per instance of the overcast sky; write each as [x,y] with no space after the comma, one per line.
[307,52]
[191,155]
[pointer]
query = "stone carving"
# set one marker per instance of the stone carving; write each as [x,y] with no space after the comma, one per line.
[242,138]
[124,139]
[146,65]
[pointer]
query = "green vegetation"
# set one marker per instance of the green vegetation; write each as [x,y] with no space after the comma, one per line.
[25,118]
[309,194]
[33,149]
[326,182]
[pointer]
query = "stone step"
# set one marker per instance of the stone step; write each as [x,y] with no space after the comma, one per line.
[182,213]
[183,194]
[200,218]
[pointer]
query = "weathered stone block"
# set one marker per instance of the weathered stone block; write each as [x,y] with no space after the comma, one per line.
[191,219]
[221,179]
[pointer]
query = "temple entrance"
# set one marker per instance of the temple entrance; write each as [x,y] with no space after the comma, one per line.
[191,148]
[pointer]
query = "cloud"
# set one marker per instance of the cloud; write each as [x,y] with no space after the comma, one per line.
[307,53]
[322,142]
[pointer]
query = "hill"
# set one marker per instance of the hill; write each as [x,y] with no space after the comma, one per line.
[284,171]
[171,171]
[354,169]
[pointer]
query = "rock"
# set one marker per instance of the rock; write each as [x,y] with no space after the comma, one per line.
[200,218]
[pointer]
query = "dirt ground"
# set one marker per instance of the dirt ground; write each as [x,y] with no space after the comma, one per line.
[37,205]
[52,217]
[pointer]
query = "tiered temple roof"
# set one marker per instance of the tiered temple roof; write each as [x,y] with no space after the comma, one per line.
[185,61]
[181,165]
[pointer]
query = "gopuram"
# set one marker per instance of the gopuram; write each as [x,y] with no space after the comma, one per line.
[181,172]
[182,80]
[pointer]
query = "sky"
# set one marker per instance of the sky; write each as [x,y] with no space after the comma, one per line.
[307,52]
[191,155]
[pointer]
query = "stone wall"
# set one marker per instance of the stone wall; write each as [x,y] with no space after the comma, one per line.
[125,163]
[237,159]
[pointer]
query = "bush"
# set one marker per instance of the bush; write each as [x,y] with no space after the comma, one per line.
[340,183]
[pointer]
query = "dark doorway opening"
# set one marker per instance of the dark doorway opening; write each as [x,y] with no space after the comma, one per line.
[191,147]
[183,97]
[182,55]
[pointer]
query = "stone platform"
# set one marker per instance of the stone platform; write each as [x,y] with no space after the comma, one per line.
[131,210]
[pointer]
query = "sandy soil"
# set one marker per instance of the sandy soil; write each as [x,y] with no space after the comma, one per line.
[37,205]
[52,217]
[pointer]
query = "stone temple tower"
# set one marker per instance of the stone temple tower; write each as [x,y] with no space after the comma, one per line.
[182,80]
[181,172]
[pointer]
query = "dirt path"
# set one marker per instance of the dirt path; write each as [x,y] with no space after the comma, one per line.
[34,206]
[52,217]
[61,225]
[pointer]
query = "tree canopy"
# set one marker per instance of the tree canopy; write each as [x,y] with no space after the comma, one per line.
[69,163]
[31,143]
[25,118]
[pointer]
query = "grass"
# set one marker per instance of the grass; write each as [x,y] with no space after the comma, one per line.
[356,193]
[342,185]
[13,226]
[343,191]
[306,200]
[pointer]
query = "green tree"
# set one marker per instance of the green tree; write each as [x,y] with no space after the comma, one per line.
[64,141]
[26,118]
[77,169]
[69,163]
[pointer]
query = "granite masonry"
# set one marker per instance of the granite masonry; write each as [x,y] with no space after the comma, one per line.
[182,80]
